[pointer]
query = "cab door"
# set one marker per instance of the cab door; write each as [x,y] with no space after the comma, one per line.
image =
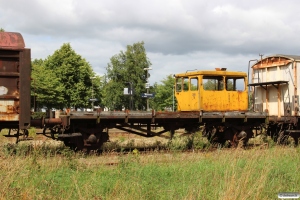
[187,93]
[194,96]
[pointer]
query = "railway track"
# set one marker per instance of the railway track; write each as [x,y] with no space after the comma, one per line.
[122,142]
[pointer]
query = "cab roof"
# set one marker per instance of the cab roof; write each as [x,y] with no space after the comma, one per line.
[11,40]
[217,72]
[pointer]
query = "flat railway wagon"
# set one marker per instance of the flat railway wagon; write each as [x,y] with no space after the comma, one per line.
[217,100]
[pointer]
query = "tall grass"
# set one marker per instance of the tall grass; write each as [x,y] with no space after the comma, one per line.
[221,174]
[52,171]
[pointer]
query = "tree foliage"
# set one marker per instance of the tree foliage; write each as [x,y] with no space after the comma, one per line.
[64,80]
[45,86]
[124,70]
[2,30]
[76,74]
[164,95]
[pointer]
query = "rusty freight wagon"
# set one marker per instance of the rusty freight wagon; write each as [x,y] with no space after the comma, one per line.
[14,83]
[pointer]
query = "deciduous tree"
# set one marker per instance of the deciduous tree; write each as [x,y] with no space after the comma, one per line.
[76,74]
[164,95]
[46,87]
[127,69]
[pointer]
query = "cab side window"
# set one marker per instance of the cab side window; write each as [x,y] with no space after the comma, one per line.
[194,84]
[235,84]
[178,84]
[185,84]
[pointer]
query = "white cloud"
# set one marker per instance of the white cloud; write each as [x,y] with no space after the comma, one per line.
[178,34]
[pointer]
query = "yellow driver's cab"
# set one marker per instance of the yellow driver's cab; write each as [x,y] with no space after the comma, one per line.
[218,90]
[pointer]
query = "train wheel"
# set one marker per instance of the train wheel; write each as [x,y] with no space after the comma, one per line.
[273,131]
[213,136]
[217,140]
[75,143]
[93,142]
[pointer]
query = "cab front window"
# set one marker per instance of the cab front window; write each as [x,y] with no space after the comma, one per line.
[213,83]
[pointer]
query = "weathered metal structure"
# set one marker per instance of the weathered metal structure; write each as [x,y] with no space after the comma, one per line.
[218,90]
[275,91]
[275,84]
[14,82]
[216,94]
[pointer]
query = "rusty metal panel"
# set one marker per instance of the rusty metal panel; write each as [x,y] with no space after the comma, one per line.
[24,88]
[11,40]
[7,110]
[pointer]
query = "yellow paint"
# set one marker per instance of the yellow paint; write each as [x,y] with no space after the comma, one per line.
[220,98]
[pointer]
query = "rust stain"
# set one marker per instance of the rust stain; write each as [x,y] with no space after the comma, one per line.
[11,40]
[9,117]
[9,109]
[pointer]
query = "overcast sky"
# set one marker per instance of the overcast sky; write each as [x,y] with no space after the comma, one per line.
[179,35]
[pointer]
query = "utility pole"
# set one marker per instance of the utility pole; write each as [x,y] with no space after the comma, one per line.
[147,85]
[92,93]
[249,93]
[173,97]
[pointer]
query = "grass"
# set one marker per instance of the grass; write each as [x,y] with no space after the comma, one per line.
[55,172]
[221,174]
